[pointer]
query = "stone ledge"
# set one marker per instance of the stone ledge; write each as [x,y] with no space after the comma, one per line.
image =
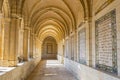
[18,73]
[4,70]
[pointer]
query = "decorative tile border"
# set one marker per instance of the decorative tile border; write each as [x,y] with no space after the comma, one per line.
[106,43]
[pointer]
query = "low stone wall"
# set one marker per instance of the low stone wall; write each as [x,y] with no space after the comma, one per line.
[83,72]
[21,72]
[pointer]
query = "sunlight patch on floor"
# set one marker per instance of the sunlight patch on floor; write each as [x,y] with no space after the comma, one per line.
[50,74]
[3,70]
[52,63]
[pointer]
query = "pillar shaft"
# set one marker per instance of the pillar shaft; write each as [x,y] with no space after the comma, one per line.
[31,46]
[34,47]
[26,48]
[14,34]
[1,39]
[6,41]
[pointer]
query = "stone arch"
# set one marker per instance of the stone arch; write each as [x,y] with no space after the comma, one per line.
[87,7]
[6,9]
[49,48]
[1,4]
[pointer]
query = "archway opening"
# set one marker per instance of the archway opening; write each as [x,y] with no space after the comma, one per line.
[49,48]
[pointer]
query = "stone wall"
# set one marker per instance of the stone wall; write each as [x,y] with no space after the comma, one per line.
[21,72]
[49,48]
[112,6]
[83,72]
[89,71]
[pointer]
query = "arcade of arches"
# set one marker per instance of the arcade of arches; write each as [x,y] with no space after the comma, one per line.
[83,35]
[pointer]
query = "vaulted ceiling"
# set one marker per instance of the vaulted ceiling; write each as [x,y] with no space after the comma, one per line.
[56,18]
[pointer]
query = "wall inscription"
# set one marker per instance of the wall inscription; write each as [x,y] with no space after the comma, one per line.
[106,45]
[82,46]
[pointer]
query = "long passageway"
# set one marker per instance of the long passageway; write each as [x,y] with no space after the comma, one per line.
[50,70]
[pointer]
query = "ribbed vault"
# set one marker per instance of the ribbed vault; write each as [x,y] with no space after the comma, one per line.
[56,18]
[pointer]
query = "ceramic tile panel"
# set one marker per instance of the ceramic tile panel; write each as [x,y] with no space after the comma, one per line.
[82,46]
[106,43]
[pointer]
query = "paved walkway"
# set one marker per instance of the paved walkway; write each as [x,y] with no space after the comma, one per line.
[50,70]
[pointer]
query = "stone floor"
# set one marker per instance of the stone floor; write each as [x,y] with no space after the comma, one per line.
[50,70]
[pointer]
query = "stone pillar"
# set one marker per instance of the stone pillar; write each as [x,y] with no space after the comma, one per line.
[88,42]
[1,4]
[26,43]
[75,46]
[69,47]
[31,45]
[6,41]
[20,51]
[34,47]
[14,35]
[20,41]
[1,39]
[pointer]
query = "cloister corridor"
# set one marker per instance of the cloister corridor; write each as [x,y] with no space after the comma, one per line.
[50,70]
[59,39]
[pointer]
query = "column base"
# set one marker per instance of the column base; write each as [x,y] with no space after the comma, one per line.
[12,63]
[5,63]
[1,61]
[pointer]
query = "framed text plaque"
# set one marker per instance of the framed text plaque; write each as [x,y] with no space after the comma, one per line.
[106,43]
[82,46]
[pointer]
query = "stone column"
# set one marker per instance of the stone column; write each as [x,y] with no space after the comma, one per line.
[6,41]
[75,46]
[34,46]
[1,38]
[1,4]
[14,36]
[20,41]
[89,42]
[20,51]
[26,43]
[31,45]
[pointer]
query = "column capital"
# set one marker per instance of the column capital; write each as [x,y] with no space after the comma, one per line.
[16,16]
[72,33]
[88,19]
[27,28]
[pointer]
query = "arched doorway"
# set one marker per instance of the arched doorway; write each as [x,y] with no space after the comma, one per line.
[49,48]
